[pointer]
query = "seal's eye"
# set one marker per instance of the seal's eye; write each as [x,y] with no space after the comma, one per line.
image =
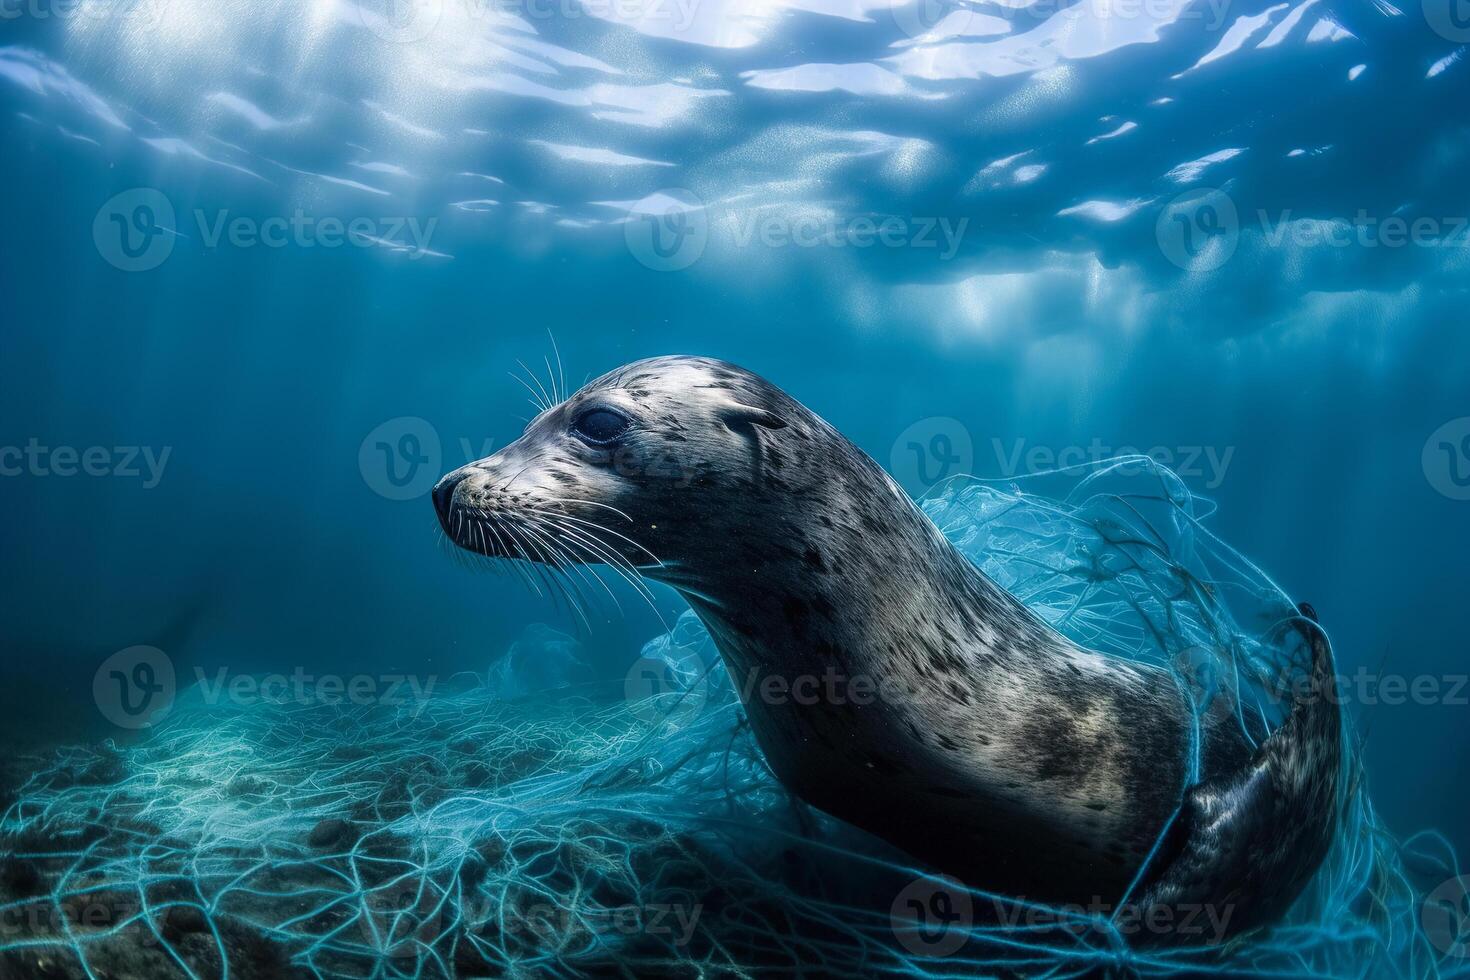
[600,426]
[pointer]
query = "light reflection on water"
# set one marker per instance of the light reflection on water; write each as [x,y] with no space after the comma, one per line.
[1051,125]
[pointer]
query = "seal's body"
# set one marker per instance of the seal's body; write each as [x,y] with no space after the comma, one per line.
[887,679]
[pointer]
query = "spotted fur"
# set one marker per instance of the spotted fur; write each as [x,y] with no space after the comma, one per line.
[995,749]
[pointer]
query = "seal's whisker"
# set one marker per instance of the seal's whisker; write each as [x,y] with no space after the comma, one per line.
[504,548]
[519,550]
[532,571]
[542,388]
[594,526]
[507,484]
[479,532]
[546,568]
[546,576]
[499,539]
[560,370]
[551,377]
[591,526]
[565,562]
[608,555]
[600,527]
[590,503]
[632,578]
[535,398]
[599,557]
[505,544]
[588,572]
[620,566]
[541,396]
[527,565]
[541,533]
[603,553]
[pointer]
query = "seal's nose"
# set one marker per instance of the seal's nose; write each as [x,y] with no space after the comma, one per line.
[444,496]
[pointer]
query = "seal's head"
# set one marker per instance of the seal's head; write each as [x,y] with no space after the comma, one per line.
[652,465]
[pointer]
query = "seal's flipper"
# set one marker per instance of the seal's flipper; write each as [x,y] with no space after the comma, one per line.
[1246,843]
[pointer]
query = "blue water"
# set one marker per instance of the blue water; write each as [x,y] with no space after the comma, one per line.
[989,237]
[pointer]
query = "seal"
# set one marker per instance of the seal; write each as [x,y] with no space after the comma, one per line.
[1010,756]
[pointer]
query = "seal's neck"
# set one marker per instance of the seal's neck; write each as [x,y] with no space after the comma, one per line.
[853,576]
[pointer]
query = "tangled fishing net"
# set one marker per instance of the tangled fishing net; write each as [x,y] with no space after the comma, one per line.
[639,832]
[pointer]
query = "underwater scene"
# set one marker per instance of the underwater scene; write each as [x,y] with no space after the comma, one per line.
[728,488]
